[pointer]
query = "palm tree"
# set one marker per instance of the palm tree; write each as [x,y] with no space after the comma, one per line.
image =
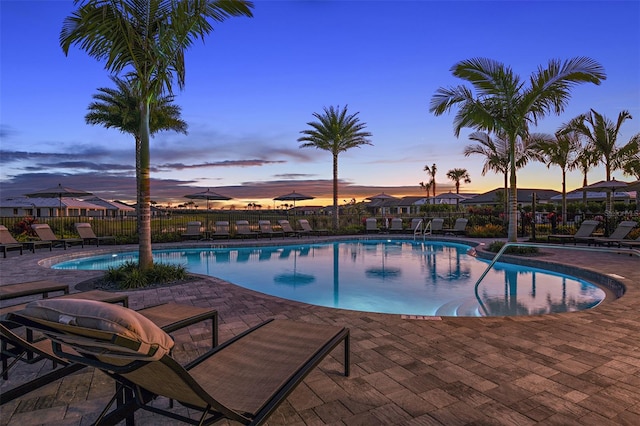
[505,103]
[560,151]
[427,187]
[496,153]
[602,134]
[456,175]
[118,108]
[147,40]
[585,159]
[336,132]
[431,171]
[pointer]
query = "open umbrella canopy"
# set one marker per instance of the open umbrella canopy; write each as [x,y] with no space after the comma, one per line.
[207,195]
[294,196]
[606,186]
[59,192]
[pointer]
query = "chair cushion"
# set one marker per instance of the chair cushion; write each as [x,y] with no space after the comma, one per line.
[80,317]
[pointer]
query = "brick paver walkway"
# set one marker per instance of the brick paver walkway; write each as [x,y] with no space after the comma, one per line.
[563,369]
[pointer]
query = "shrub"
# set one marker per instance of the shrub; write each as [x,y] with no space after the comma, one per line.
[486,231]
[128,275]
[496,246]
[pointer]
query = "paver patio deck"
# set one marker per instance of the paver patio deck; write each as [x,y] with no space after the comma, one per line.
[579,368]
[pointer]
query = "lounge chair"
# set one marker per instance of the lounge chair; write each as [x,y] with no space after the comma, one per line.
[6,239]
[396,225]
[306,228]
[587,227]
[221,230]
[630,243]
[8,247]
[267,230]
[619,234]
[169,317]
[193,231]
[371,225]
[436,226]
[244,379]
[44,232]
[417,224]
[32,288]
[459,227]
[288,229]
[86,233]
[243,230]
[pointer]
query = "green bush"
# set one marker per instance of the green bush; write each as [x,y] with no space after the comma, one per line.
[496,246]
[486,231]
[128,275]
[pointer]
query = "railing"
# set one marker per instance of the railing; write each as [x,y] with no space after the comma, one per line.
[633,252]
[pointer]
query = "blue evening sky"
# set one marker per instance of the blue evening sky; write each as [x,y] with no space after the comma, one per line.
[255,82]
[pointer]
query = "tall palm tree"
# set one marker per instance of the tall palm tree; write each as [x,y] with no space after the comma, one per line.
[496,153]
[427,187]
[506,103]
[118,108]
[457,175]
[145,39]
[585,159]
[561,151]
[431,171]
[602,134]
[335,131]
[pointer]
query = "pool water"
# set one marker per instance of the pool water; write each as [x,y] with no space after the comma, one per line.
[401,277]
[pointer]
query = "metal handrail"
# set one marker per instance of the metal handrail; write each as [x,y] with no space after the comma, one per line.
[418,230]
[552,246]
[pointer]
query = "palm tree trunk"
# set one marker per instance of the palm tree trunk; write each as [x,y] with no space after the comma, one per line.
[144,191]
[505,196]
[564,197]
[584,191]
[335,192]
[512,234]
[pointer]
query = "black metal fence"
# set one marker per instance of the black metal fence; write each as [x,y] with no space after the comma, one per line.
[168,227]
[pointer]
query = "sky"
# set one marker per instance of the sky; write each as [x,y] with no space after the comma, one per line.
[255,83]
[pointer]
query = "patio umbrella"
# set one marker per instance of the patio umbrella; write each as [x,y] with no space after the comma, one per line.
[608,186]
[59,192]
[207,195]
[294,196]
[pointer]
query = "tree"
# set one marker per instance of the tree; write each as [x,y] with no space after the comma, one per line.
[427,187]
[336,132]
[602,134]
[456,175]
[496,153]
[431,171]
[561,151]
[505,103]
[118,108]
[585,159]
[145,39]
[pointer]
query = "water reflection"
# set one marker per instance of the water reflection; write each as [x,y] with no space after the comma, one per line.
[420,278]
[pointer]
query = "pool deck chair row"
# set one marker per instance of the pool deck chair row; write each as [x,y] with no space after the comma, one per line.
[243,379]
[7,242]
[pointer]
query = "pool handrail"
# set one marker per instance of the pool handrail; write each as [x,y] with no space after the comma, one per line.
[418,230]
[631,252]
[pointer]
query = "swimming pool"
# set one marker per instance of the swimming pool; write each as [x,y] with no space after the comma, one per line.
[389,276]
